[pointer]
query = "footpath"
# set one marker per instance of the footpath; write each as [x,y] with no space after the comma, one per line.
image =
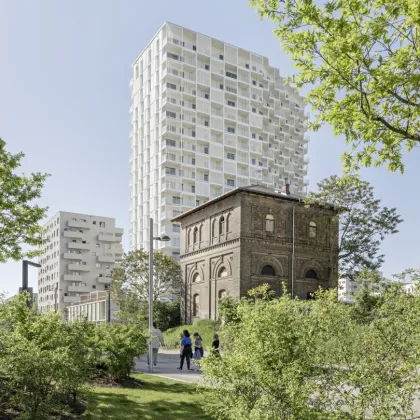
[168,361]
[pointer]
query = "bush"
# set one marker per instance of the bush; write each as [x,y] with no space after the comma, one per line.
[116,346]
[292,359]
[205,327]
[167,315]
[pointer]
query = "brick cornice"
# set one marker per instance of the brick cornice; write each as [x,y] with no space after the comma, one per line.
[209,248]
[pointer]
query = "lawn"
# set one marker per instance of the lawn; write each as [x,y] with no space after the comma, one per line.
[158,398]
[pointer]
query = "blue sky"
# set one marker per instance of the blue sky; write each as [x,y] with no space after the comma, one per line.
[64,100]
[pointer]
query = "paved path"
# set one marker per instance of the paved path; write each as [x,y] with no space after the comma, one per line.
[168,361]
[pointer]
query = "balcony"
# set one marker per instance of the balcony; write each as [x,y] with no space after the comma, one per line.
[73,235]
[78,224]
[73,256]
[78,245]
[106,258]
[108,238]
[78,267]
[71,299]
[103,280]
[78,289]
[72,277]
[119,231]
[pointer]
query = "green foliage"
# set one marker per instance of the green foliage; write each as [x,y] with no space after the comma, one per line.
[293,359]
[361,59]
[129,285]
[228,309]
[363,222]
[167,314]
[206,328]
[116,346]
[18,218]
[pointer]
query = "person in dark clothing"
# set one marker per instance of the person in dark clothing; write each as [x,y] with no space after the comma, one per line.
[186,350]
[215,344]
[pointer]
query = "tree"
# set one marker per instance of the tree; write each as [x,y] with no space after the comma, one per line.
[18,218]
[130,282]
[362,60]
[363,223]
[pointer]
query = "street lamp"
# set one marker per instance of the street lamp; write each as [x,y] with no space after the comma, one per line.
[25,264]
[163,238]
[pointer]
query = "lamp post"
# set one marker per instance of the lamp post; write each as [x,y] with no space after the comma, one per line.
[152,238]
[25,264]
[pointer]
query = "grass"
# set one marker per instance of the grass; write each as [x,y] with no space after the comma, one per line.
[158,398]
[206,328]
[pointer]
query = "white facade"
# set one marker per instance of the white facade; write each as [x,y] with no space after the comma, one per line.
[206,117]
[346,290]
[93,307]
[409,288]
[79,252]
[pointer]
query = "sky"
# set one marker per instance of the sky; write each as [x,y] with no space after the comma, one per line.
[65,68]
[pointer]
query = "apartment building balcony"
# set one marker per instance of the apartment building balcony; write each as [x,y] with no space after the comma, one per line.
[118,249]
[108,237]
[83,224]
[71,299]
[104,279]
[72,277]
[78,245]
[73,256]
[119,231]
[78,267]
[106,258]
[73,234]
[79,289]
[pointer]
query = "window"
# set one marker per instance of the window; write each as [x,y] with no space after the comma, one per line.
[193,188]
[195,235]
[247,66]
[173,56]
[221,86]
[194,48]
[98,265]
[254,109]
[312,230]
[171,114]
[231,75]
[197,203]
[231,130]
[253,161]
[206,96]
[311,274]
[206,177]
[175,228]
[230,156]
[222,272]
[213,229]
[170,142]
[221,56]
[176,200]
[268,270]
[230,182]
[193,135]
[231,103]
[97,245]
[170,171]
[206,150]
[101,224]
[94,222]
[221,225]
[222,293]
[171,86]
[192,161]
[206,67]
[196,305]
[269,223]
[227,223]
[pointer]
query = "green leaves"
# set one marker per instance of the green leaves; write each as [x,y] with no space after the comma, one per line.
[363,222]
[18,218]
[361,60]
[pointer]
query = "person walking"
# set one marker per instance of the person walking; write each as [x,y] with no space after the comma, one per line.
[198,348]
[157,341]
[186,350]
[215,345]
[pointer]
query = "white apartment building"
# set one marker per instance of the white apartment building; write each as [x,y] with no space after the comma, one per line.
[79,252]
[207,117]
[346,290]
[94,308]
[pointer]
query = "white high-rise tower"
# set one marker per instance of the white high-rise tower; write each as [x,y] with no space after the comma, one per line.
[206,117]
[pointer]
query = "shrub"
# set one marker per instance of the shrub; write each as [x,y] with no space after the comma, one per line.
[205,327]
[167,315]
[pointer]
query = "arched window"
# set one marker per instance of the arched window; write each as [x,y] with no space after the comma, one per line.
[228,223]
[312,230]
[222,293]
[222,272]
[189,237]
[200,236]
[213,229]
[269,223]
[196,278]
[268,270]
[195,236]
[311,274]
[196,305]
[221,225]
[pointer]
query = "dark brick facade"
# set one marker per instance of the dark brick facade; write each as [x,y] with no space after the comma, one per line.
[244,239]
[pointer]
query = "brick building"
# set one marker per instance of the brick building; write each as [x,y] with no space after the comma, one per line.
[250,236]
